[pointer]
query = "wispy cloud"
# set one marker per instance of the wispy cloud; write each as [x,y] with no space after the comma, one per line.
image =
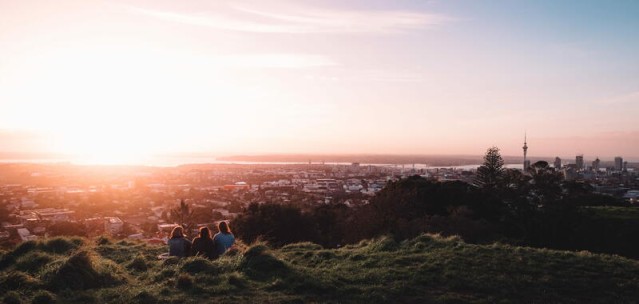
[275,61]
[301,19]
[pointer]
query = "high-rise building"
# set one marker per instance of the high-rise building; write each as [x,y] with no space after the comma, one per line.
[579,161]
[557,163]
[595,164]
[625,166]
[526,161]
[618,163]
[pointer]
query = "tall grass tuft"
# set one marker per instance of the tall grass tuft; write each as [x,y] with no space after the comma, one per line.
[139,263]
[259,264]
[61,245]
[17,280]
[184,281]
[43,297]
[33,262]
[12,297]
[198,264]
[79,272]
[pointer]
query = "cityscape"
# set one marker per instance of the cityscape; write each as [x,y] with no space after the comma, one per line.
[135,202]
[304,151]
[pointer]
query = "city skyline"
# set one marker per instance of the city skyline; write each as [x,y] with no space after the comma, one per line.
[120,81]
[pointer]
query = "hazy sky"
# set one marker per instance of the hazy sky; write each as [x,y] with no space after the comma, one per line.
[129,78]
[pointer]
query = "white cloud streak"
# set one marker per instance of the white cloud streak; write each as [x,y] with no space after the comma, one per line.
[300,20]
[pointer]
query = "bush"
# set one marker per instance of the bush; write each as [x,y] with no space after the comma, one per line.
[43,297]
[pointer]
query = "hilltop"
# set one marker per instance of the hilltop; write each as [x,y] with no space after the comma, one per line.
[426,269]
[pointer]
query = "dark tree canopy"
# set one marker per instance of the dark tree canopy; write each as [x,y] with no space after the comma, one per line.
[490,173]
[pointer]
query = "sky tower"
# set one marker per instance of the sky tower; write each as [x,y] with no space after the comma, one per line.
[525,147]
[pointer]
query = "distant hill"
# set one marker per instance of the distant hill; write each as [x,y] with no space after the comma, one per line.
[427,269]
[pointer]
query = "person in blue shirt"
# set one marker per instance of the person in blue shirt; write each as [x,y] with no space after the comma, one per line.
[223,239]
[179,246]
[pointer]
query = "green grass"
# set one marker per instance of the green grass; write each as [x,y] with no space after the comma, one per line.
[427,269]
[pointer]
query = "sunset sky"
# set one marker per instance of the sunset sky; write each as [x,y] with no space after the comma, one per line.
[127,79]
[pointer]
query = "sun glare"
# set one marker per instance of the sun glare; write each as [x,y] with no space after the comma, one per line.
[111,106]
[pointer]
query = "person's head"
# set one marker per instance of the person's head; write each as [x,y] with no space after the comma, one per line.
[205,233]
[223,227]
[177,232]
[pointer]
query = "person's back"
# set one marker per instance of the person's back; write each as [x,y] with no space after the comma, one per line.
[204,245]
[223,239]
[178,245]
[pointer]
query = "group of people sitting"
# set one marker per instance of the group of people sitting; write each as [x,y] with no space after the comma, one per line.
[203,245]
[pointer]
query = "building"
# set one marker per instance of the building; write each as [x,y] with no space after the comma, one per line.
[595,164]
[557,163]
[579,161]
[618,163]
[525,148]
[113,225]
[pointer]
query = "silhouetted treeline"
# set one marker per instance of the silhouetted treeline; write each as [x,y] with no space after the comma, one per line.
[535,208]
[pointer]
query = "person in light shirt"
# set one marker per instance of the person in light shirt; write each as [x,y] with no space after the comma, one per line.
[224,239]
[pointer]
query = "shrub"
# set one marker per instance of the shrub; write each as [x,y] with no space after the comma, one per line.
[43,297]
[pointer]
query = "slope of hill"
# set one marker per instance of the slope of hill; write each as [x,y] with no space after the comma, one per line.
[427,269]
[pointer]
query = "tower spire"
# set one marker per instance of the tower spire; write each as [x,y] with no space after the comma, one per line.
[525,148]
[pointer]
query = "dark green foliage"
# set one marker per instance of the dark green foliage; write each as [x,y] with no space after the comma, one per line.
[43,297]
[490,174]
[274,223]
[67,229]
[12,297]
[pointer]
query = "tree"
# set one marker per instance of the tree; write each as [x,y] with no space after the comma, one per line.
[489,175]
[183,215]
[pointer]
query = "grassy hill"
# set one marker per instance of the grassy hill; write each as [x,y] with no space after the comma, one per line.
[427,269]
